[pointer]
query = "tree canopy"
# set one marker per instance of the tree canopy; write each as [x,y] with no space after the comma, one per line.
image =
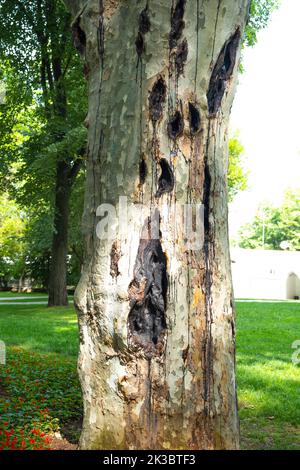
[274,228]
[237,174]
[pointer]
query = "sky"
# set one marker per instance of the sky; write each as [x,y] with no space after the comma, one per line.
[266,114]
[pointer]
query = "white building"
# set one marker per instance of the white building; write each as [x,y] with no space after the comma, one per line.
[265,274]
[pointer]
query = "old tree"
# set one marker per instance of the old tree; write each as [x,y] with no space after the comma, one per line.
[157,329]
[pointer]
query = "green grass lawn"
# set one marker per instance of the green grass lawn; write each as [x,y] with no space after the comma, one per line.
[268,381]
[42,347]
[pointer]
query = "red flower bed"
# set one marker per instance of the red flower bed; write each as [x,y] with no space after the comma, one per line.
[36,400]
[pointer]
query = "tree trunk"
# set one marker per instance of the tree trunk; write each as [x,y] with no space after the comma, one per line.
[157,334]
[20,283]
[58,295]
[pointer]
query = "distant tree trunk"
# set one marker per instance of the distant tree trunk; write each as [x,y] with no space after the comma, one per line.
[58,271]
[20,283]
[157,332]
[58,295]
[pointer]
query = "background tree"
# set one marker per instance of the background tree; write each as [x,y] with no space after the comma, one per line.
[273,225]
[12,243]
[237,175]
[46,106]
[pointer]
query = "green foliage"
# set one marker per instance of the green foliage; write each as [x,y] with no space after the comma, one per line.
[274,225]
[260,12]
[237,175]
[41,121]
[12,242]
[39,238]
[46,99]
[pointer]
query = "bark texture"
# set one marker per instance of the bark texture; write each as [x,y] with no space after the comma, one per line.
[157,335]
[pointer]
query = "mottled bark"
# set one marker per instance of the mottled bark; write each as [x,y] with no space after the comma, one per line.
[157,335]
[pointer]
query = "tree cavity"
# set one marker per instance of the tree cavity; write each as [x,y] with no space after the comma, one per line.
[156,100]
[222,72]
[194,119]
[148,291]
[166,179]
[177,23]
[79,37]
[175,125]
[143,171]
[144,28]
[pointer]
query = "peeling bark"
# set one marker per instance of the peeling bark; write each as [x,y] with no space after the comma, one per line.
[157,339]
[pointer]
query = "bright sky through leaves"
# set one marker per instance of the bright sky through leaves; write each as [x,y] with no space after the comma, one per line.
[266,112]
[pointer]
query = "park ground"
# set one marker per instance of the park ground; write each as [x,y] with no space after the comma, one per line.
[40,399]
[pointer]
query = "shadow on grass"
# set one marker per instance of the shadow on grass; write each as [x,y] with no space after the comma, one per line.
[40,329]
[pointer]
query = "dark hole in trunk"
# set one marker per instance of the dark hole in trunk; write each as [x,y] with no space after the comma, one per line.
[222,73]
[181,56]
[79,37]
[144,27]
[144,21]
[166,179]
[139,44]
[177,23]
[175,126]
[148,293]
[194,119]
[143,171]
[156,99]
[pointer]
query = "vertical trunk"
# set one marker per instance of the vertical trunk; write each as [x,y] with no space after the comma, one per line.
[58,270]
[157,352]
[20,283]
[52,51]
